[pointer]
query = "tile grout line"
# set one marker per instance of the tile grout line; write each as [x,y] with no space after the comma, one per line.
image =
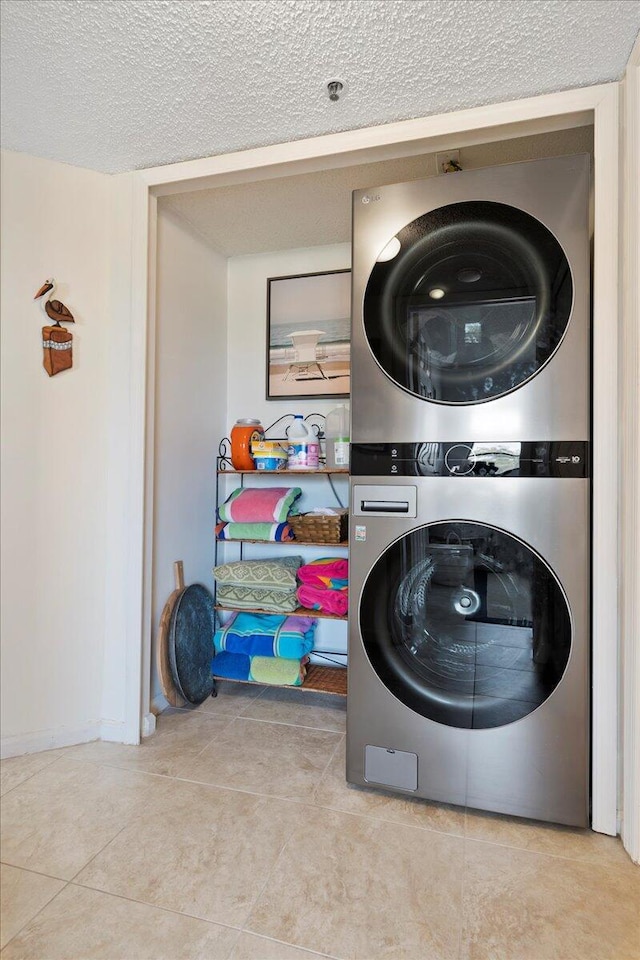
[285,943]
[38,873]
[319,806]
[38,912]
[553,856]
[263,887]
[461,938]
[302,800]
[97,853]
[286,723]
[396,823]
[254,933]
[111,765]
[327,765]
[277,860]
[175,776]
[177,913]
[31,775]
[75,882]
[221,786]
[153,906]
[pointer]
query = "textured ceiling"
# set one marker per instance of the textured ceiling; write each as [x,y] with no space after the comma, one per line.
[122,84]
[315,208]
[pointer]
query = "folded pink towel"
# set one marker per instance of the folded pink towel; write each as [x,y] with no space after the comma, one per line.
[259,504]
[326,572]
[319,598]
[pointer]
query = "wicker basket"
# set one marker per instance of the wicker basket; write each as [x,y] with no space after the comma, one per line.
[321,528]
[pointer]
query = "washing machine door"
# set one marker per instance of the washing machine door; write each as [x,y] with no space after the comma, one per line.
[465,624]
[467,302]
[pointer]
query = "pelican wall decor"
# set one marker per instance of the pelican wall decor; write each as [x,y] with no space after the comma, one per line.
[57,343]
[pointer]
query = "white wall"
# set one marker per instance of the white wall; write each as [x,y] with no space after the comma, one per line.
[248,328]
[247,332]
[55,222]
[190,406]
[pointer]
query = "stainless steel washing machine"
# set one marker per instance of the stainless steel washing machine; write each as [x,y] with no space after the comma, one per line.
[471,305]
[469,633]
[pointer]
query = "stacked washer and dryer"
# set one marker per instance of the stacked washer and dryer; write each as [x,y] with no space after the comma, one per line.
[469,638]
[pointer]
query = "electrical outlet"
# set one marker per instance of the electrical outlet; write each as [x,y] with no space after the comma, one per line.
[447,156]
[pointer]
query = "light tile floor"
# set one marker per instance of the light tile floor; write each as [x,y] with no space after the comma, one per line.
[232,835]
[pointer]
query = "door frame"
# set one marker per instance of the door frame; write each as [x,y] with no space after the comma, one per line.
[598,105]
[630,455]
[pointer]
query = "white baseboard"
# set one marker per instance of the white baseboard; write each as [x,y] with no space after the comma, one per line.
[148,725]
[115,731]
[158,704]
[19,744]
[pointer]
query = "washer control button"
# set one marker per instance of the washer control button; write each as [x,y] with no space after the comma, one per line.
[460,460]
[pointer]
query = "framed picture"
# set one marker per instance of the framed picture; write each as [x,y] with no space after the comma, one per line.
[309,336]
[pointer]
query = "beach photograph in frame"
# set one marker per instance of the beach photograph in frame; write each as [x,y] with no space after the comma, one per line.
[309,336]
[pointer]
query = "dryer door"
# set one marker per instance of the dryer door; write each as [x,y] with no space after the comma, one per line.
[465,624]
[468,302]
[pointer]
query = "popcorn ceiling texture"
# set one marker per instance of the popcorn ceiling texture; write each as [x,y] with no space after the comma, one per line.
[311,209]
[123,84]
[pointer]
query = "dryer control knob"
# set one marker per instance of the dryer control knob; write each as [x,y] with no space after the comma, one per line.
[460,460]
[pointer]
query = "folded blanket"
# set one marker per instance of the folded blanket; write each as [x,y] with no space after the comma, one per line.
[254,531]
[278,670]
[279,573]
[326,572]
[272,670]
[250,598]
[257,634]
[233,666]
[319,598]
[259,504]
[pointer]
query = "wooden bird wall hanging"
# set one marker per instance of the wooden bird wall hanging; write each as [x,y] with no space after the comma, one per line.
[57,343]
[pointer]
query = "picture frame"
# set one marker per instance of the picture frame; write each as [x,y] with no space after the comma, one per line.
[309,336]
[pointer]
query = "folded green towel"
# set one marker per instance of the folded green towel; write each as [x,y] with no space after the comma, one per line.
[254,531]
[277,670]
[255,598]
[279,573]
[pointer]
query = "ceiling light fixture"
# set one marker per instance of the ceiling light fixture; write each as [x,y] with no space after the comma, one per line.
[437,293]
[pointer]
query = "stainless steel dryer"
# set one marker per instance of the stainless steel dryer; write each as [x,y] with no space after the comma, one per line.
[469,637]
[471,305]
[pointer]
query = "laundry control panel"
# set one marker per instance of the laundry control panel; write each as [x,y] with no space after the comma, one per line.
[538,458]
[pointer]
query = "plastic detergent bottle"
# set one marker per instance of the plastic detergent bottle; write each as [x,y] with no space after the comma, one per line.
[243,433]
[337,437]
[303,448]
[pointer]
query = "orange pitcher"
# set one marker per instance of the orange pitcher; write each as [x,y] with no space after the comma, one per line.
[242,433]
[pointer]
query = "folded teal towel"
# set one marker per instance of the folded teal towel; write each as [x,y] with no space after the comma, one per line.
[263,635]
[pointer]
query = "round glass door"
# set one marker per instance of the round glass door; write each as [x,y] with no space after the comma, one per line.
[466,625]
[468,302]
